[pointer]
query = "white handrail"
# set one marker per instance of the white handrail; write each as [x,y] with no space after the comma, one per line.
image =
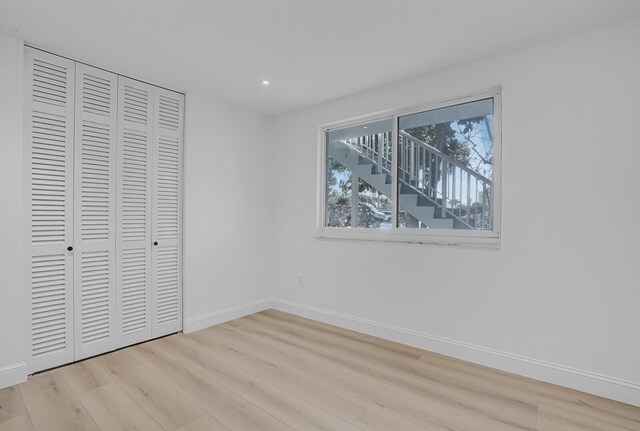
[444,156]
[429,174]
[428,171]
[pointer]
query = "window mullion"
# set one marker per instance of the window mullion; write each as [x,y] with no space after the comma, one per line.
[394,173]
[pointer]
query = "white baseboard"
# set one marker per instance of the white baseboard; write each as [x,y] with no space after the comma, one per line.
[222,316]
[585,381]
[13,374]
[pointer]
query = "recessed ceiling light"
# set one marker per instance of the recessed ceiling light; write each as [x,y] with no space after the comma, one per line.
[265,83]
[365,127]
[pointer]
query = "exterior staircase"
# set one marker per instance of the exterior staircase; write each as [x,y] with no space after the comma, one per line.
[437,206]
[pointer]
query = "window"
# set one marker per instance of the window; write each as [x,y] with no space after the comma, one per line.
[430,174]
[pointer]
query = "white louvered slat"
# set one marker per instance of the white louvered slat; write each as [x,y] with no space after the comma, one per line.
[96,200]
[136,102]
[48,305]
[134,291]
[168,188]
[135,128]
[135,190]
[49,159]
[95,211]
[95,297]
[167,278]
[167,211]
[50,81]
[49,125]
[169,112]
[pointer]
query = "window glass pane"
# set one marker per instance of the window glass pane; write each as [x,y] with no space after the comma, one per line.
[358,171]
[445,167]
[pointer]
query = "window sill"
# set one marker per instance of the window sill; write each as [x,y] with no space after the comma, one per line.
[474,239]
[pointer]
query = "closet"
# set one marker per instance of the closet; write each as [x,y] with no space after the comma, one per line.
[104,185]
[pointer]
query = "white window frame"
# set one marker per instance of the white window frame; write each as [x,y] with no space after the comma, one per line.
[411,235]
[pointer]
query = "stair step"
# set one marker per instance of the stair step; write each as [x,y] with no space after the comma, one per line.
[363,171]
[408,199]
[409,203]
[364,161]
[440,223]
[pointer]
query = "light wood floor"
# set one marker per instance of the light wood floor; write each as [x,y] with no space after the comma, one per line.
[275,371]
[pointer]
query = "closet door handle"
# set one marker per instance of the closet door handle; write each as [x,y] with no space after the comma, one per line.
[69,248]
[155,242]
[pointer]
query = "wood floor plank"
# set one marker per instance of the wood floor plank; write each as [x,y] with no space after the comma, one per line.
[405,372]
[466,379]
[295,412]
[392,367]
[378,419]
[554,418]
[167,406]
[113,410]
[482,407]
[236,351]
[13,412]
[431,412]
[84,376]
[281,403]
[585,403]
[344,380]
[485,403]
[235,412]
[339,357]
[11,404]
[347,376]
[588,411]
[464,368]
[19,423]
[212,337]
[52,404]
[204,423]
[409,351]
[338,341]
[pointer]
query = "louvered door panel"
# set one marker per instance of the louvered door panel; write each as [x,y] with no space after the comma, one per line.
[167,211]
[49,135]
[95,211]
[133,289]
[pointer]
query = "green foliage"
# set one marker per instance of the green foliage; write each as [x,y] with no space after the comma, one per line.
[343,184]
[443,137]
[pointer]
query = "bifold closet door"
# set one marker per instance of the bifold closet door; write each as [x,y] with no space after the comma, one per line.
[167,212]
[95,211]
[133,287]
[103,179]
[49,131]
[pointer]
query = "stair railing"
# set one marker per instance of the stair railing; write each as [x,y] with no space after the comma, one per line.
[458,190]
[376,148]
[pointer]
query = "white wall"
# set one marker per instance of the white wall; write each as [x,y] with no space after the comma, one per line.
[561,296]
[228,202]
[11,240]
